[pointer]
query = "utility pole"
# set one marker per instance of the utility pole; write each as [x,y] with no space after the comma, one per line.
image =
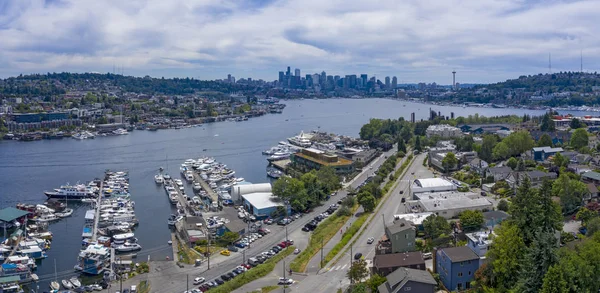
[321,252]
[187,282]
[284,276]
[244,256]
[208,248]
[286,234]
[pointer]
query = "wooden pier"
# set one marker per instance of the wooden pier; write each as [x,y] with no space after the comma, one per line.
[97,213]
[214,197]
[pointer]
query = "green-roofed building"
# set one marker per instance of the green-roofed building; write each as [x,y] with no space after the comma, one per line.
[9,215]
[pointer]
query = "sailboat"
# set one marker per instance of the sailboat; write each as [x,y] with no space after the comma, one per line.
[54,284]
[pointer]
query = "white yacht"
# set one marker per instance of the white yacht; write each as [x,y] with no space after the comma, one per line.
[47,218]
[65,213]
[126,247]
[301,140]
[189,176]
[120,131]
[67,285]
[79,191]
[75,282]
[159,179]
[123,236]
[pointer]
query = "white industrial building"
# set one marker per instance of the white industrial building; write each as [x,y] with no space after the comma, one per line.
[443,130]
[452,206]
[415,219]
[262,204]
[431,185]
[237,191]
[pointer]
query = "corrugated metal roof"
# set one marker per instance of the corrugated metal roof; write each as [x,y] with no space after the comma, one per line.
[10,214]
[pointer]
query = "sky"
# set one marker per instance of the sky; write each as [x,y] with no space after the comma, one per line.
[485,41]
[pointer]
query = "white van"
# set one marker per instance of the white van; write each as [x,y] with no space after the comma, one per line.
[133,289]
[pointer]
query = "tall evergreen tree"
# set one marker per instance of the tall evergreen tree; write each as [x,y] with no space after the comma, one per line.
[541,255]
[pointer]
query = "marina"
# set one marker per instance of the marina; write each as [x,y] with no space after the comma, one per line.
[141,152]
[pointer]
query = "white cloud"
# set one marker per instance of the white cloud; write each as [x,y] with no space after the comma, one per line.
[484,40]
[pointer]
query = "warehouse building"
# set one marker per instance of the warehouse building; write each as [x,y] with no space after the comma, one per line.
[431,185]
[238,190]
[262,204]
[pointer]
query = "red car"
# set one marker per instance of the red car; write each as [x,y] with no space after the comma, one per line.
[282,244]
[289,242]
[246,265]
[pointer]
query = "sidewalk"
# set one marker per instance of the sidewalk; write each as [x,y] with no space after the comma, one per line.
[314,266]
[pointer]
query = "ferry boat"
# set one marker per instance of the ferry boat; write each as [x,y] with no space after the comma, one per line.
[77,192]
[94,260]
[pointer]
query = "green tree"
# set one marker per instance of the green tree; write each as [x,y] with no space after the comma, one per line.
[584,215]
[503,205]
[367,201]
[471,220]
[547,123]
[449,162]
[576,123]
[540,256]
[328,179]
[313,188]
[501,151]
[287,188]
[505,255]
[570,191]
[579,138]
[418,147]
[358,271]
[521,165]
[401,145]
[512,163]
[375,281]
[559,161]
[349,201]
[230,237]
[487,147]
[545,140]
[593,226]
[435,226]
[360,288]
[554,281]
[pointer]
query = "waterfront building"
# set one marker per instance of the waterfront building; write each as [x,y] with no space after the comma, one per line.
[309,159]
[263,204]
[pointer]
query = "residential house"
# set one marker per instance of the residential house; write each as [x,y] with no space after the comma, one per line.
[494,218]
[385,264]
[478,166]
[591,177]
[408,280]
[543,153]
[456,267]
[479,242]
[592,190]
[536,177]
[558,137]
[400,238]
[499,173]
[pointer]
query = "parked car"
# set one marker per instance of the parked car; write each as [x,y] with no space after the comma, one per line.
[225,277]
[370,240]
[232,248]
[427,255]
[219,281]
[269,221]
[403,200]
[296,251]
[231,275]
[289,242]
[199,280]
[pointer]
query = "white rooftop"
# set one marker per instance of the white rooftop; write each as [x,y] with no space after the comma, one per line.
[481,237]
[460,202]
[416,219]
[445,195]
[261,200]
[97,249]
[432,182]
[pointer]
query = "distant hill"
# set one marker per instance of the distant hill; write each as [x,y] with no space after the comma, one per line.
[59,83]
[550,83]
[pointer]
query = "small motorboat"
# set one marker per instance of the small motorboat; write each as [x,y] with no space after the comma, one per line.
[76,283]
[54,285]
[65,213]
[67,284]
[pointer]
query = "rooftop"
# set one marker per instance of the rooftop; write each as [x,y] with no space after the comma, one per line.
[547,149]
[399,226]
[432,182]
[445,195]
[460,253]
[261,200]
[440,127]
[481,237]
[415,219]
[10,214]
[340,161]
[433,205]
[402,259]
[401,276]
[591,175]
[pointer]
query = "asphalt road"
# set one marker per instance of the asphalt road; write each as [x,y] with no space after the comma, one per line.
[334,277]
[173,279]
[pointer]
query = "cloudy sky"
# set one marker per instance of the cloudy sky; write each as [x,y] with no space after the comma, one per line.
[416,40]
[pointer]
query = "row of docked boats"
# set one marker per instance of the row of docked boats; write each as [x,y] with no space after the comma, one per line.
[50,211]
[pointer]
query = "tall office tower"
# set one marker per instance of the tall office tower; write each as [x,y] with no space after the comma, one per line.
[394,82]
[330,82]
[297,72]
[451,115]
[323,78]
[365,79]
[288,72]
[454,79]
[309,81]
[281,75]
[315,78]
[387,82]
[336,80]
[412,117]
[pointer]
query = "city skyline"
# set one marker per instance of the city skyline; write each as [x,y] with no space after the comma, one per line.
[208,40]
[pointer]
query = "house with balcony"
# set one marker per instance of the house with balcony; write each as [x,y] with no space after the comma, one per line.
[399,237]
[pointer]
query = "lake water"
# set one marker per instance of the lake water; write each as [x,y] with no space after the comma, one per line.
[29,168]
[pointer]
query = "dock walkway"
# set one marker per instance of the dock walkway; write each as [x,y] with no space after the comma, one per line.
[184,203]
[97,214]
[214,197]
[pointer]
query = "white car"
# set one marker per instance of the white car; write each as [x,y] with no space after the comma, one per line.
[199,280]
[370,240]
[296,251]
[285,281]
